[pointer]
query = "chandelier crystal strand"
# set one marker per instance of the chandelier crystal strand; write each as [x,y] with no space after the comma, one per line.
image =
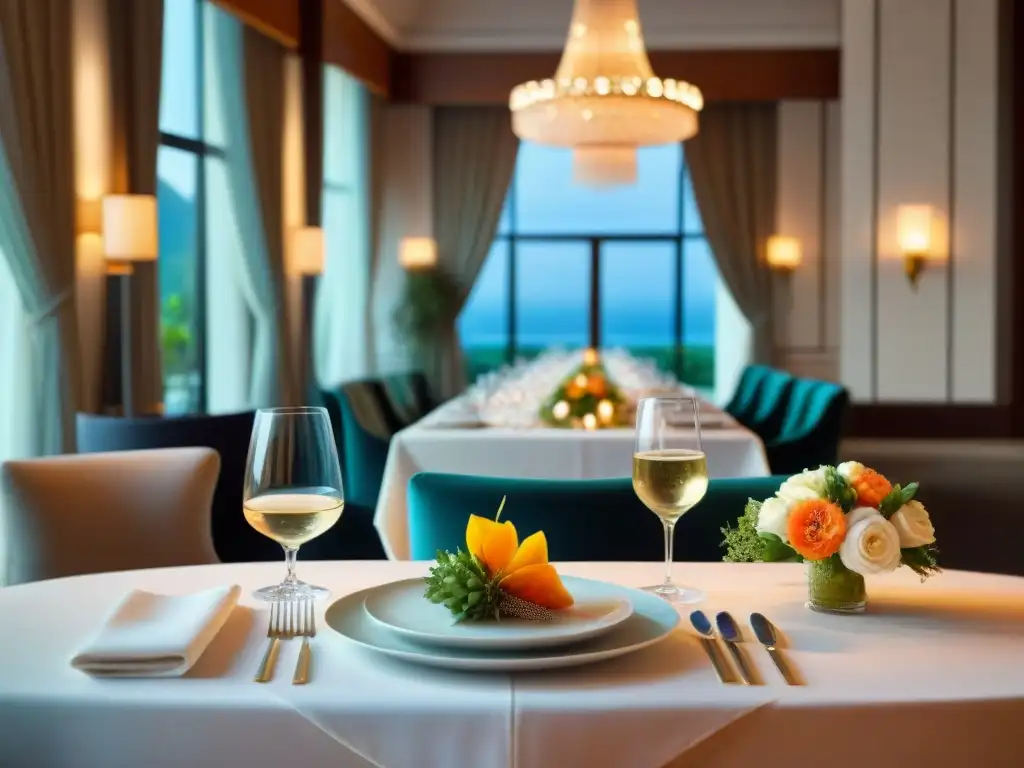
[605,100]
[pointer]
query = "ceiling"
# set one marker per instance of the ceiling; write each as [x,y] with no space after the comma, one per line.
[510,25]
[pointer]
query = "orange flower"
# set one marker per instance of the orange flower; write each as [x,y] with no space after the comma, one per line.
[597,386]
[574,391]
[816,528]
[523,569]
[871,488]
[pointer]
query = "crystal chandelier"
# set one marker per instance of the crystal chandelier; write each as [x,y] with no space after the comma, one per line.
[605,100]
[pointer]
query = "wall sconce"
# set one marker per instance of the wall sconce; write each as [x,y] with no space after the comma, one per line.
[417,253]
[129,235]
[914,232]
[308,251]
[784,253]
[88,217]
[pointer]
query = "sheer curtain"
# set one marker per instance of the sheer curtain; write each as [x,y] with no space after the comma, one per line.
[135,34]
[732,162]
[251,72]
[341,344]
[474,155]
[37,214]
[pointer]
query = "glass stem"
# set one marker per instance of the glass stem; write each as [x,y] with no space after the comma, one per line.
[290,553]
[670,528]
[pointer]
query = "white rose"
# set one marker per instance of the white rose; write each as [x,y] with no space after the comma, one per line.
[872,544]
[809,484]
[913,525]
[850,470]
[773,517]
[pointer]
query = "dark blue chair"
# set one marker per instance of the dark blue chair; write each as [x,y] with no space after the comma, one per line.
[409,395]
[744,399]
[772,398]
[595,520]
[812,428]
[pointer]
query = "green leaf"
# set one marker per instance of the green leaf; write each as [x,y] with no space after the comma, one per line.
[838,490]
[892,502]
[921,560]
[909,492]
[776,550]
[742,543]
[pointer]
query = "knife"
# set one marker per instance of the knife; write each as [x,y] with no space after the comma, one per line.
[765,633]
[707,639]
[731,635]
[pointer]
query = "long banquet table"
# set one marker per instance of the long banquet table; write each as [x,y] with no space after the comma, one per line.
[931,675]
[445,441]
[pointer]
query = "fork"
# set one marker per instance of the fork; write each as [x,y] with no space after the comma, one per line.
[306,630]
[281,627]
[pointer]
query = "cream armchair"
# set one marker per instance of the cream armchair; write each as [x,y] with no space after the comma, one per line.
[90,513]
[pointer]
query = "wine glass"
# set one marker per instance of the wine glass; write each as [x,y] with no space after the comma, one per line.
[670,473]
[293,490]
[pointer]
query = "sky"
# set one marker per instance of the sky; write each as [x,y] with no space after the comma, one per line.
[178,93]
[637,278]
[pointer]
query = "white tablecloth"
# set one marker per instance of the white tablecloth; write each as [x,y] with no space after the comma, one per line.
[568,454]
[931,675]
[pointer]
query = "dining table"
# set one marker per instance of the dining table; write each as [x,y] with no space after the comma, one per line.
[453,439]
[931,674]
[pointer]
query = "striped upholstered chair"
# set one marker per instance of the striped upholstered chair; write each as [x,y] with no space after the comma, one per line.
[812,427]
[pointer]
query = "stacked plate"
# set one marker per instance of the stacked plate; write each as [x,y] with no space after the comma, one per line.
[606,621]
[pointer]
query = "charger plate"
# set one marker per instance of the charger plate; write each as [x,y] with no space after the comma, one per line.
[400,607]
[652,620]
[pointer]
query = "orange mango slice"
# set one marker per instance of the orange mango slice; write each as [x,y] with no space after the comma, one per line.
[538,583]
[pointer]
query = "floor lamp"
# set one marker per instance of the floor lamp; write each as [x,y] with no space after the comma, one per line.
[129,235]
[308,262]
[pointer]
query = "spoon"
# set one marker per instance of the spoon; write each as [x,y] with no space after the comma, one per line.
[707,639]
[731,634]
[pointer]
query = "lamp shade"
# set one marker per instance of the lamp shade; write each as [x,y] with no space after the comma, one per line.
[308,250]
[417,253]
[130,227]
[914,228]
[784,252]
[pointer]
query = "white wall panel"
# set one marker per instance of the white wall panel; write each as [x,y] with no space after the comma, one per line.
[800,201]
[832,240]
[857,162]
[974,233]
[913,167]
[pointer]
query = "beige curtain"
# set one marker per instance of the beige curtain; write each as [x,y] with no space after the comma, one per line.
[37,207]
[474,157]
[135,35]
[732,162]
[252,70]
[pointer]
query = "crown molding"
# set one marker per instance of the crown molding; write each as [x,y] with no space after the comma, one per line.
[367,10]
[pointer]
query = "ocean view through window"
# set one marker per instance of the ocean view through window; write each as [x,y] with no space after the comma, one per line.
[629,265]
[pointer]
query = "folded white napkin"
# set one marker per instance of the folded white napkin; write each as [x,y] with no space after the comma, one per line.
[157,635]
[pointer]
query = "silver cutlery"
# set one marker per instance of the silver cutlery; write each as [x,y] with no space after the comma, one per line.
[765,633]
[731,635]
[707,639]
[306,630]
[275,631]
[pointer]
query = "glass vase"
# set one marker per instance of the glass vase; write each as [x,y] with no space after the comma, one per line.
[834,588]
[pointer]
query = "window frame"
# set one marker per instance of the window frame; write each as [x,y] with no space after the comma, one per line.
[678,238]
[201,150]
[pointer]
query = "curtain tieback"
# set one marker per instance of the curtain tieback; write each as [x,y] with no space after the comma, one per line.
[50,308]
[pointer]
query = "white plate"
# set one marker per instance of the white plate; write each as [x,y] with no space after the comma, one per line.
[652,620]
[401,608]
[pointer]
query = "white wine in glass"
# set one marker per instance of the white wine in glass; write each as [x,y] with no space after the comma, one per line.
[293,490]
[670,473]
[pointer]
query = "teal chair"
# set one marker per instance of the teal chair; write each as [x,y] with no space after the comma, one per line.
[367,423]
[812,428]
[744,400]
[595,520]
[772,398]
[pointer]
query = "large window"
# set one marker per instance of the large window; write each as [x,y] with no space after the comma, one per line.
[181,175]
[571,266]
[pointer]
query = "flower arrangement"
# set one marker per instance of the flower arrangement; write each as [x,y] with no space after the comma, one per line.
[497,575]
[586,399]
[847,521]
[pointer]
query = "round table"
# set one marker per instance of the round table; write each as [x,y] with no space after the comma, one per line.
[932,674]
